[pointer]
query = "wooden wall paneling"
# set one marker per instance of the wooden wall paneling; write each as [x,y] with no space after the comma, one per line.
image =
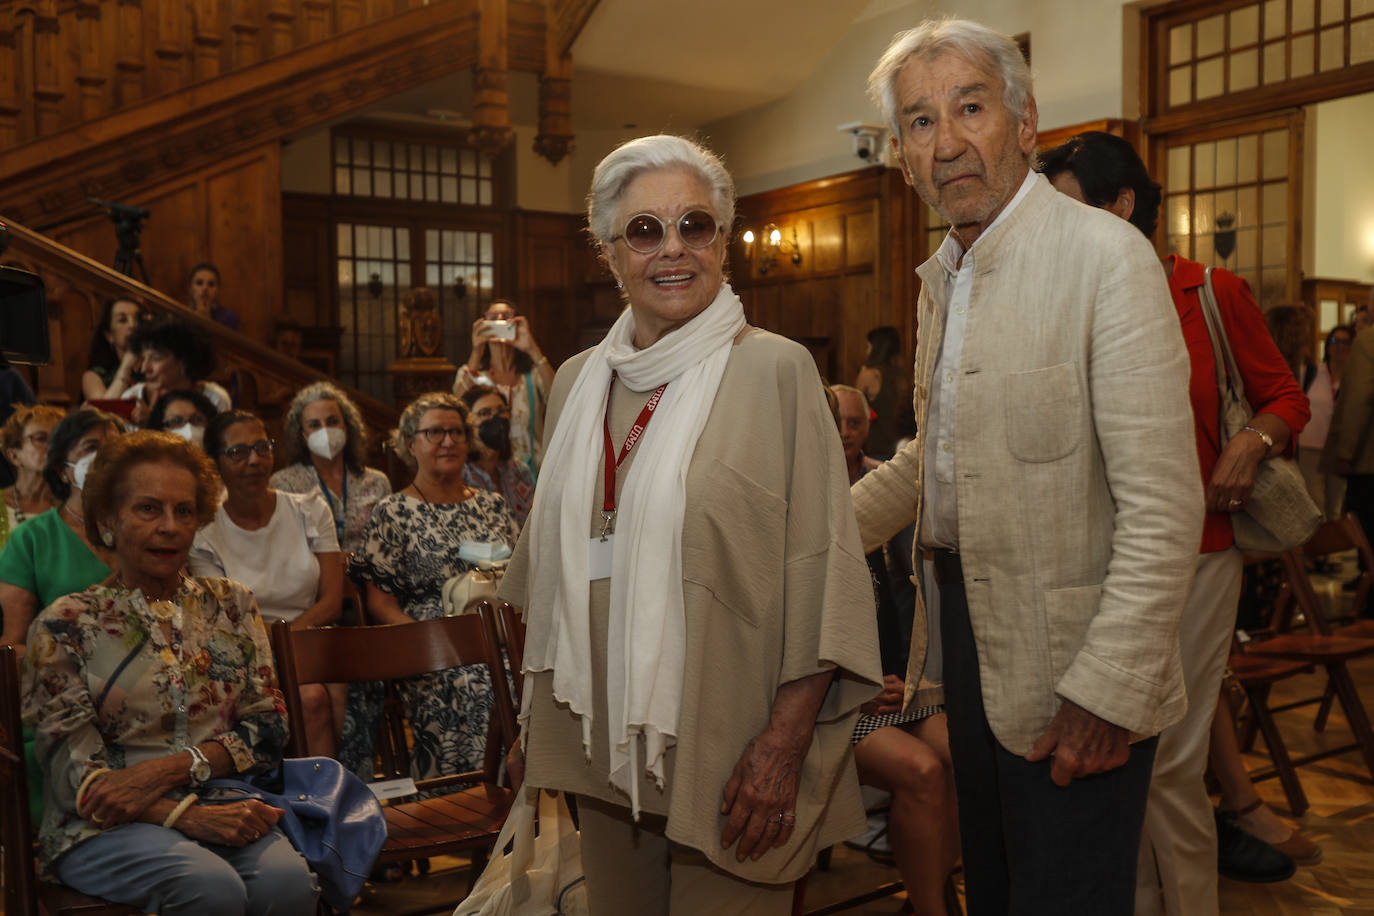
[46,66]
[307,252]
[91,77]
[317,20]
[552,289]
[244,207]
[281,26]
[9,85]
[129,64]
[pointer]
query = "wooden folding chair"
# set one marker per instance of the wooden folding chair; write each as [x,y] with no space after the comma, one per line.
[1320,644]
[1256,676]
[25,895]
[513,629]
[466,820]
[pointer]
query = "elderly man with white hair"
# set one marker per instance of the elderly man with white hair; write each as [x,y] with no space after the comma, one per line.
[1055,481]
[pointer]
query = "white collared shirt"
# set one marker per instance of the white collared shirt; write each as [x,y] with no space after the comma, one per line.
[940,520]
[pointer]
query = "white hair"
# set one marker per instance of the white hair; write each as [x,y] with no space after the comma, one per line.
[976,43]
[633,158]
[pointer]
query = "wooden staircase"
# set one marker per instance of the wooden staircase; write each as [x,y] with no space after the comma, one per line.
[77,288]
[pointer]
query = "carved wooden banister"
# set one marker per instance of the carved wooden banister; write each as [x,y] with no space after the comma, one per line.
[76,281]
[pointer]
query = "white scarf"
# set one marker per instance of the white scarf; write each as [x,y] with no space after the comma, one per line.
[647,632]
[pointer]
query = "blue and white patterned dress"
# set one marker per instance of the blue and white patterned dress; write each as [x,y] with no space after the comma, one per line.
[410,549]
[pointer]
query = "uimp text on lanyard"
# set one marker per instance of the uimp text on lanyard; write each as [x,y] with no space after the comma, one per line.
[613,462]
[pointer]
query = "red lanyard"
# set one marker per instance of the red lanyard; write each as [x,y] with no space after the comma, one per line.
[612,462]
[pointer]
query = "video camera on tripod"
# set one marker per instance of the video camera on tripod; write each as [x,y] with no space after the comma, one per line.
[128,222]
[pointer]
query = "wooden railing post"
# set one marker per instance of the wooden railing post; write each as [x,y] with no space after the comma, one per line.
[247,33]
[207,41]
[46,67]
[170,50]
[129,63]
[319,19]
[281,25]
[90,76]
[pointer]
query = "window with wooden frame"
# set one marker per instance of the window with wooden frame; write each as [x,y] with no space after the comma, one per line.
[434,171]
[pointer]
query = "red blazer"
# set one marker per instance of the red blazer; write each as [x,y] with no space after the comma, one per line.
[1269,384]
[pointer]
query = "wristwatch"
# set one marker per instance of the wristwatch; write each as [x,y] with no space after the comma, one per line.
[200,765]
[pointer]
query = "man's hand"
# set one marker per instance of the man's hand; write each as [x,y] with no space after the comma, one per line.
[763,786]
[1082,744]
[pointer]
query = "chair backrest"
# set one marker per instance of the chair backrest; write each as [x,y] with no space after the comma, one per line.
[392,652]
[16,835]
[513,627]
[1336,536]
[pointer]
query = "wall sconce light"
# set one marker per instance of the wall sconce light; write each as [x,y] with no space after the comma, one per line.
[374,286]
[772,246]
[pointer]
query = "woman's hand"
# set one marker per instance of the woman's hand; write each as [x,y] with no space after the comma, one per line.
[524,340]
[120,796]
[1234,475]
[143,406]
[515,766]
[761,796]
[890,700]
[479,343]
[236,824]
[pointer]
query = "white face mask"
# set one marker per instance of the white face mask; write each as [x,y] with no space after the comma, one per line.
[191,433]
[79,470]
[327,441]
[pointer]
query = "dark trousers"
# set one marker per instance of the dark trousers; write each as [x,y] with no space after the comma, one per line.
[1029,846]
[1359,499]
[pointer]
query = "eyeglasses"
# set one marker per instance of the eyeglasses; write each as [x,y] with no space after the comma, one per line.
[486,413]
[436,434]
[239,453]
[39,439]
[645,232]
[172,421]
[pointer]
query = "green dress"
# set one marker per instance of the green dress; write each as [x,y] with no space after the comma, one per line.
[45,557]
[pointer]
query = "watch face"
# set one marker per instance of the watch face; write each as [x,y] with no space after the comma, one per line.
[201,771]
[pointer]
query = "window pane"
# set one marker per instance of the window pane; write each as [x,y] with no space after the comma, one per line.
[1181,245]
[469,190]
[1247,159]
[1225,211]
[1244,70]
[1180,85]
[417,158]
[362,152]
[449,188]
[362,181]
[1226,161]
[1244,26]
[341,184]
[469,162]
[388,239]
[1247,243]
[432,245]
[1204,165]
[1203,213]
[1301,56]
[1275,164]
[1275,201]
[381,184]
[1361,8]
[1178,174]
[484,192]
[1275,23]
[485,250]
[1333,11]
[432,188]
[1275,64]
[1247,207]
[344,237]
[1333,48]
[1209,78]
[1362,41]
[341,150]
[450,161]
[403,243]
[483,167]
[1210,32]
[1181,43]
[1274,250]
[1302,15]
[381,153]
[431,159]
[1178,214]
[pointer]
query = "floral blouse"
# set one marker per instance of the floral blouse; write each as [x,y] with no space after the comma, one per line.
[365,490]
[513,481]
[104,688]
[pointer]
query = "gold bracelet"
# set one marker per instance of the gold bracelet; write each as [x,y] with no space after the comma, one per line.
[86,784]
[180,809]
[542,360]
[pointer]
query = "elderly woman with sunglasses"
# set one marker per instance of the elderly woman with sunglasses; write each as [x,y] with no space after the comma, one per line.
[281,545]
[700,617]
[505,357]
[416,540]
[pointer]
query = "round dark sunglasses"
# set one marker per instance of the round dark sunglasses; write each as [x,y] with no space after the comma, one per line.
[645,232]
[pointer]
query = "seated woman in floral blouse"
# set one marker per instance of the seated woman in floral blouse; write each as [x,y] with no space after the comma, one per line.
[145,686]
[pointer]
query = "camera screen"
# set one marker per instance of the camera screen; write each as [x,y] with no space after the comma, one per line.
[23,317]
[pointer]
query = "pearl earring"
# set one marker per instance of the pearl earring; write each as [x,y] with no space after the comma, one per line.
[107,537]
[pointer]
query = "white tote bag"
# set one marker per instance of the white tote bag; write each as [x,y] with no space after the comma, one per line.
[542,875]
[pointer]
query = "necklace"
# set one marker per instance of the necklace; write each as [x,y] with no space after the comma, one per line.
[80,519]
[164,610]
[19,516]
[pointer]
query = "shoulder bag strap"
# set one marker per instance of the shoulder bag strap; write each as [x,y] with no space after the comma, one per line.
[1228,373]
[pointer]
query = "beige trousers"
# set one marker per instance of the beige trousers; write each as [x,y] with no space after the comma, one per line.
[1178,852]
[1326,490]
[634,870]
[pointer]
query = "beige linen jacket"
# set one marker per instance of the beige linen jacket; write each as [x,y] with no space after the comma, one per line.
[1079,497]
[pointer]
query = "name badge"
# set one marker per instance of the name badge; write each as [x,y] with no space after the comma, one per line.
[599,557]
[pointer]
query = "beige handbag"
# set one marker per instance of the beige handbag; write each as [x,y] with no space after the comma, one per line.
[1279,514]
[461,592]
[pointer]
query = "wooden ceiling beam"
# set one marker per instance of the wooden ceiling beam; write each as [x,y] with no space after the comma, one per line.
[567,17]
